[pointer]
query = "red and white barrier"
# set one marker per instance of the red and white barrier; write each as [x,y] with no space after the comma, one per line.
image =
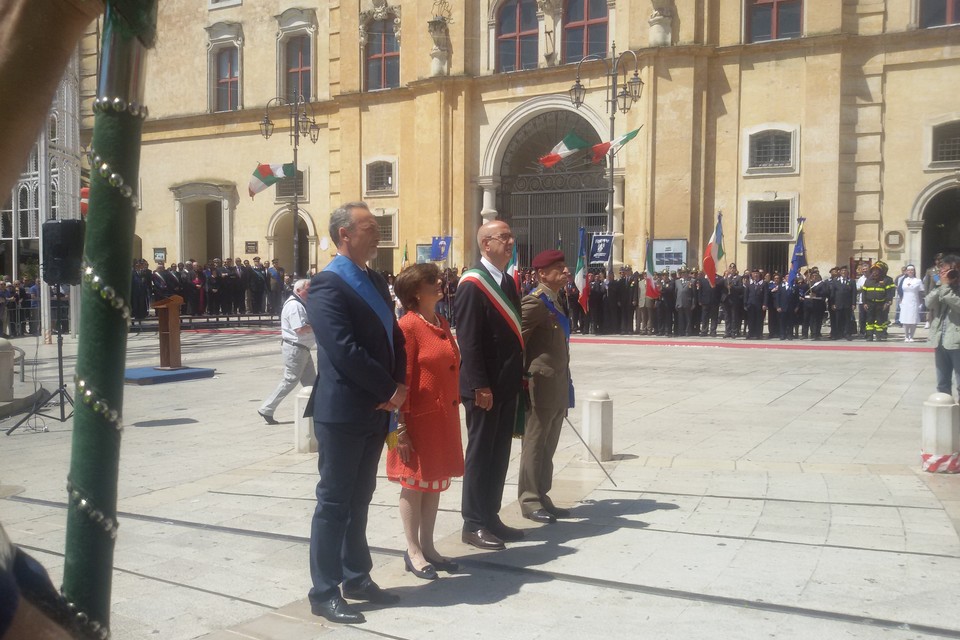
[941,464]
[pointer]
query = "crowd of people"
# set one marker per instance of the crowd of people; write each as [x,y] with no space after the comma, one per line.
[219,287]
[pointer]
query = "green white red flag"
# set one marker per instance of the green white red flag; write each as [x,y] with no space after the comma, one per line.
[266,175]
[653,291]
[600,150]
[714,252]
[567,147]
[512,270]
[580,277]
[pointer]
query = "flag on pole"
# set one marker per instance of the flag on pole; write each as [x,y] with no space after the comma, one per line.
[405,261]
[512,270]
[600,150]
[799,259]
[566,147]
[653,291]
[266,175]
[580,277]
[714,252]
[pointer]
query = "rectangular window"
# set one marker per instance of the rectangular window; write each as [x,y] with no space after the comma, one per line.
[298,63]
[380,176]
[387,231]
[774,19]
[228,79]
[770,149]
[946,142]
[939,13]
[768,218]
[584,29]
[382,56]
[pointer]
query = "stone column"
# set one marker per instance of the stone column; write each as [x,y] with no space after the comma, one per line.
[489,184]
[914,242]
[618,189]
[227,226]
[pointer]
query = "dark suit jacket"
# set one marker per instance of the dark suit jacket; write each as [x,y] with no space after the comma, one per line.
[756,294]
[356,369]
[490,353]
[842,295]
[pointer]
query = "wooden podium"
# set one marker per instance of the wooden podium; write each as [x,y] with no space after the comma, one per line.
[168,313]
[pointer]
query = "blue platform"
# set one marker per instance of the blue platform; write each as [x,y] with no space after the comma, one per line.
[152,375]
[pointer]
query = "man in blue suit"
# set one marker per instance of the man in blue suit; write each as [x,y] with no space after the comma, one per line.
[361,364]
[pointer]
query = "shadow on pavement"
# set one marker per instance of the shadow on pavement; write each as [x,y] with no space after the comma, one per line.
[487,578]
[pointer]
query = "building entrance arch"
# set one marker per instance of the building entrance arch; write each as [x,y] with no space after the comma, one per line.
[204,221]
[934,224]
[280,240]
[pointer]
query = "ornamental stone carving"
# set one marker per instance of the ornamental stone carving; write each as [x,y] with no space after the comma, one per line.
[380,11]
[661,24]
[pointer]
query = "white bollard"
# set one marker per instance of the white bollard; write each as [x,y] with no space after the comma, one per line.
[940,434]
[7,356]
[598,425]
[303,438]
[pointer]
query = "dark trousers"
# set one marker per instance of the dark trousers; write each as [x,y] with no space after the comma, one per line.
[348,459]
[256,301]
[754,321]
[684,317]
[846,325]
[812,318]
[877,318]
[489,437]
[947,362]
[708,319]
[734,319]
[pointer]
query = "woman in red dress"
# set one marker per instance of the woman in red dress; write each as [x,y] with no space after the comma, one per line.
[429,451]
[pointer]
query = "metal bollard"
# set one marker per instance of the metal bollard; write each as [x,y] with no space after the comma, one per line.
[940,434]
[7,356]
[303,437]
[598,425]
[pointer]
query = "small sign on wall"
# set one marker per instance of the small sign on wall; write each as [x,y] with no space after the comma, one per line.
[250,246]
[160,254]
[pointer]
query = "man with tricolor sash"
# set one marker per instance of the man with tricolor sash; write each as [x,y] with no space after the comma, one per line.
[546,339]
[487,310]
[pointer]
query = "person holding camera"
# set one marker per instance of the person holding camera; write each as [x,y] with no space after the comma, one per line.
[943,304]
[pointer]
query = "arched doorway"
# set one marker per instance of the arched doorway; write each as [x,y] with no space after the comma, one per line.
[941,226]
[546,207]
[280,241]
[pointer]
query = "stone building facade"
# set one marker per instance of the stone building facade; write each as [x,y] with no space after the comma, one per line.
[844,113]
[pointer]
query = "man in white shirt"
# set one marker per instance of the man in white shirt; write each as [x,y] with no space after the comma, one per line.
[297,345]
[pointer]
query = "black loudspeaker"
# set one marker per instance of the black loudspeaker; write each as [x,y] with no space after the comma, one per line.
[62,251]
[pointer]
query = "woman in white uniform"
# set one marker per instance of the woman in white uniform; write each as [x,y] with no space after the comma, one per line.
[912,295]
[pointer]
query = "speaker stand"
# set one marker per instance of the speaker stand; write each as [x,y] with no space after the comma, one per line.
[61,394]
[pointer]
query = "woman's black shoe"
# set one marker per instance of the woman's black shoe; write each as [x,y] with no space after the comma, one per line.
[427,573]
[444,565]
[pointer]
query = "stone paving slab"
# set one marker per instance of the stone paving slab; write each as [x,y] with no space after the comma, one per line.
[761,492]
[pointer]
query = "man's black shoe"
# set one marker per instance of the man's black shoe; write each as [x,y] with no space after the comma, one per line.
[557,512]
[507,534]
[483,539]
[540,515]
[369,590]
[269,419]
[336,610]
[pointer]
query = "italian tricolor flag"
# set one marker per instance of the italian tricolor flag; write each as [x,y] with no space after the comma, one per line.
[653,291]
[600,150]
[580,278]
[512,271]
[267,175]
[713,252]
[567,147]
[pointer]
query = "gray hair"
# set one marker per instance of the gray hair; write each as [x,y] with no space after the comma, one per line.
[300,285]
[342,218]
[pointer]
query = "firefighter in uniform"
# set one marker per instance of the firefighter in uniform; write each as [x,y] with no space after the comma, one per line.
[878,292]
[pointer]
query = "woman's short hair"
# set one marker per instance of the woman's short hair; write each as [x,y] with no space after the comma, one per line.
[409,281]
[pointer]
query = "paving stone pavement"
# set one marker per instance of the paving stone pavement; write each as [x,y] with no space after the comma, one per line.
[760,492]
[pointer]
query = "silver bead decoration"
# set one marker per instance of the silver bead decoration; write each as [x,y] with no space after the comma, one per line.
[126,191]
[104,104]
[92,627]
[115,180]
[134,109]
[119,104]
[104,170]
[108,524]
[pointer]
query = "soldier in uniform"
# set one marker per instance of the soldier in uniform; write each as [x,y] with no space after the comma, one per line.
[546,337]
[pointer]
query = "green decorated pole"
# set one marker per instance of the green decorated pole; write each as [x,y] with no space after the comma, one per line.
[129,29]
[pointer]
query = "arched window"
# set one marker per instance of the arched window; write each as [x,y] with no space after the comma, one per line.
[298,68]
[382,56]
[228,79]
[939,13]
[53,130]
[517,35]
[773,19]
[584,29]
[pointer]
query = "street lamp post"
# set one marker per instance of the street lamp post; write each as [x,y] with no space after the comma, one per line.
[301,124]
[619,96]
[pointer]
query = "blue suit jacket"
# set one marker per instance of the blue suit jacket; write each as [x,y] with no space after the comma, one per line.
[356,368]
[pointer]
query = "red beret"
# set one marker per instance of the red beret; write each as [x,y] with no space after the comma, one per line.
[546,258]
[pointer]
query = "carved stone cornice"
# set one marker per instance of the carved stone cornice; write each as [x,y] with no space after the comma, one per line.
[380,11]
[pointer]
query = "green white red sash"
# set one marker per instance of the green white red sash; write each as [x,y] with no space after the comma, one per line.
[497,297]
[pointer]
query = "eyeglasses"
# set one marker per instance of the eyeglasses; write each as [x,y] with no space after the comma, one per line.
[502,237]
